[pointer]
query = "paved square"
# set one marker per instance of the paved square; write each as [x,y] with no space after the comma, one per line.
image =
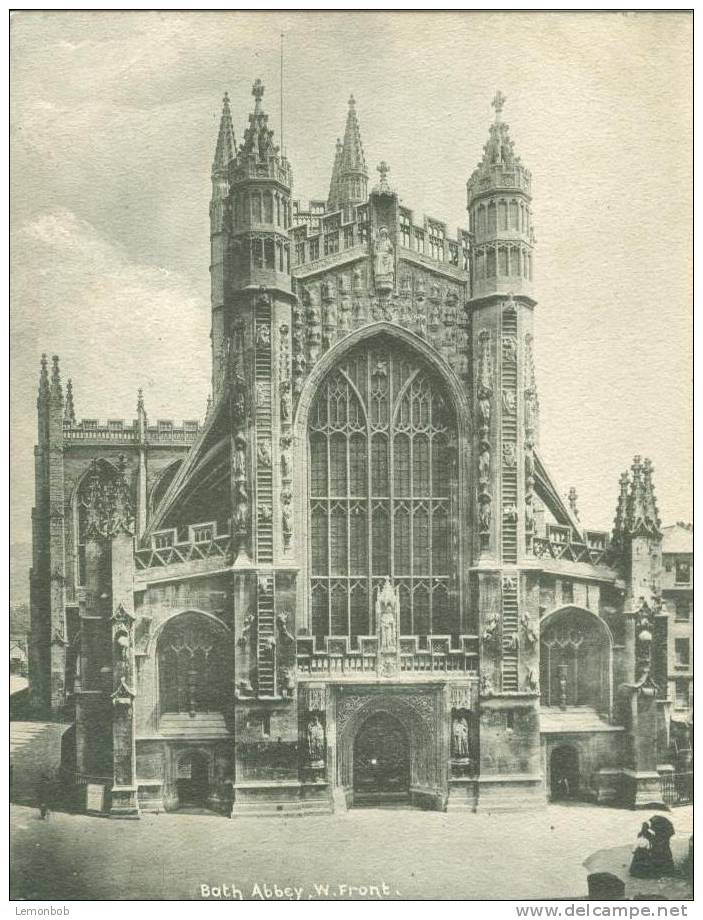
[417,854]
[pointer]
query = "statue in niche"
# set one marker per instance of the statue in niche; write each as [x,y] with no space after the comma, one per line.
[330,316]
[485,684]
[529,514]
[122,648]
[460,737]
[421,320]
[286,401]
[288,683]
[509,401]
[531,681]
[265,514]
[384,263]
[262,394]
[530,634]
[484,463]
[509,349]
[263,335]
[316,741]
[246,630]
[239,460]
[263,454]
[286,459]
[484,408]
[387,609]
[530,410]
[241,496]
[299,365]
[344,321]
[509,453]
[287,517]
[490,632]
[435,315]
[510,512]
[484,516]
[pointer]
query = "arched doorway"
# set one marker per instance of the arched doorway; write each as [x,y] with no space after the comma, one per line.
[564,773]
[193,779]
[381,762]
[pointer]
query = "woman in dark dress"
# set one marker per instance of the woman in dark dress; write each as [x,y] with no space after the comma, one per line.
[641,865]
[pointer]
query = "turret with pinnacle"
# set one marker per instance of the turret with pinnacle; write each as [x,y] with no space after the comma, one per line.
[500,215]
[250,216]
[349,185]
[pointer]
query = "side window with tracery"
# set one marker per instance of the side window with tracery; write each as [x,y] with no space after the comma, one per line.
[383,495]
[194,672]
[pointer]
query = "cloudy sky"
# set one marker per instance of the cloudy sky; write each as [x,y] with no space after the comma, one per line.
[114,120]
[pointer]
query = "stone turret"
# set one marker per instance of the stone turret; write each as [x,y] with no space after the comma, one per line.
[637,540]
[500,215]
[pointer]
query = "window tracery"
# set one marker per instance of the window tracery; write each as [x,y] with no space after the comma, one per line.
[382,493]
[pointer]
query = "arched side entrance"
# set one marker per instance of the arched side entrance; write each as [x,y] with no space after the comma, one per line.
[414,721]
[381,766]
[192,779]
[564,773]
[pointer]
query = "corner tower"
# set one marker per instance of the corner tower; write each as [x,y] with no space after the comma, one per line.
[505,433]
[249,218]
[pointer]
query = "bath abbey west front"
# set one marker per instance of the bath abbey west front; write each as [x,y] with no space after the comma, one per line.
[355,581]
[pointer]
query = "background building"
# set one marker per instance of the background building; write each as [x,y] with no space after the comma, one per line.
[356,579]
[677,593]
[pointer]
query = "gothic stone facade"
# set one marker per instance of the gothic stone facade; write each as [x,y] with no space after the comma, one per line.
[356,578]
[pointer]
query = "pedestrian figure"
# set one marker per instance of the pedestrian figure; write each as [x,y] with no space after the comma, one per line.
[662,860]
[641,865]
[43,797]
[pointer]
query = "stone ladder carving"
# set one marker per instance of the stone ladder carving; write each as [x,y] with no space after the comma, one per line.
[266,636]
[510,633]
[508,376]
[264,473]
[509,494]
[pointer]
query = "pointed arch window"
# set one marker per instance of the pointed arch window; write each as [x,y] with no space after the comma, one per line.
[195,672]
[383,494]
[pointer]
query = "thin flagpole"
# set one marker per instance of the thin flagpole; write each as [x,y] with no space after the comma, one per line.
[283,149]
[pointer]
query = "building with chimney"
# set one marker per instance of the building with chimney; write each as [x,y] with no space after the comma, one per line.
[355,580]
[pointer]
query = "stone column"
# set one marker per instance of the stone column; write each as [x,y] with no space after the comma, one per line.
[124,789]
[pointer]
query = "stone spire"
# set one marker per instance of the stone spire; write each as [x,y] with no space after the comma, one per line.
[350,170]
[69,412]
[621,512]
[258,137]
[651,512]
[635,504]
[353,150]
[56,389]
[226,147]
[333,196]
[637,513]
[499,148]
[43,397]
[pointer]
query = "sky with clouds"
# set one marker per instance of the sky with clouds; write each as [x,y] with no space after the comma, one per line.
[114,121]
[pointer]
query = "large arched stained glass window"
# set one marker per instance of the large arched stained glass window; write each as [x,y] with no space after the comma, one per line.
[195,671]
[382,494]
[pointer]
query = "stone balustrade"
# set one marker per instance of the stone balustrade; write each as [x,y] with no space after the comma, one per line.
[431,655]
